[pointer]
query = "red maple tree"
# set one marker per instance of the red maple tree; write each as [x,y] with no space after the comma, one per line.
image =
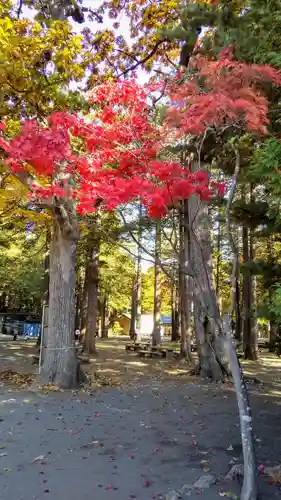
[220,93]
[118,157]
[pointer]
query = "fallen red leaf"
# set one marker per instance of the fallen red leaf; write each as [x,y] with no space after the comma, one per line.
[109,487]
[146,484]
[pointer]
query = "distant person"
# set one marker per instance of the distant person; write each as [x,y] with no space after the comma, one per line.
[15,334]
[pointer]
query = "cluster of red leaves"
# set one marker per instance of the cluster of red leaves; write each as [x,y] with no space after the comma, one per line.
[220,93]
[119,159]
[120,147]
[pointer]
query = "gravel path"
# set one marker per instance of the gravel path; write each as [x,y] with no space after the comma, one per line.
[123,444]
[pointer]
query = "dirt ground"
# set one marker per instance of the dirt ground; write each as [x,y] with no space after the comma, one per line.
[145,429]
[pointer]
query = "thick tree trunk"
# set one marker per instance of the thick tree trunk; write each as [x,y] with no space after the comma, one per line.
[60,366]
[89,346]
[249,340]
[156,334]
[212,360]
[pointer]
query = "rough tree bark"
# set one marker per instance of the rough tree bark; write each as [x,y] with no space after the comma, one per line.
[156,334]
[89,346]
[60,365]
[212,360]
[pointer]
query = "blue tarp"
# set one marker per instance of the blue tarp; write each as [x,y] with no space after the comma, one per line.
[31,329]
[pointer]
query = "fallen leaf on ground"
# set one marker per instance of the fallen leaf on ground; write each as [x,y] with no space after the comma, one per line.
[146,484]
[21,379]
[228,494]
[274,473]
[38,459]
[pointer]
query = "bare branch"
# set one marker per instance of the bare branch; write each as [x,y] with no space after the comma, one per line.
[142,61]
[19,8]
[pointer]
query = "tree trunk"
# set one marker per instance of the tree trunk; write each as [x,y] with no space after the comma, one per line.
[156,334]
[249,341]
[212,360]
[89,346]
[254,325]
[249,487]
[47,268]
[84,301]
[104,325]
[132,331]
[184,288]
[175,313]
[136,295]
[77,310]
[218,263]
[138,283]
[238,319]
[60,366]
[273,335]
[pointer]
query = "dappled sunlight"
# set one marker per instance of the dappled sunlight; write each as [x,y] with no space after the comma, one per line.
[176,371]
[107,370]
[135,363]
[7,401]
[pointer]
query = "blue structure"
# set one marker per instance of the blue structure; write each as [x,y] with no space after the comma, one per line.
[165,320]
[31,330]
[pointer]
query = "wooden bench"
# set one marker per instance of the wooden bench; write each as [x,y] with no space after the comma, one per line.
[136,346]
[145,353]
[156,352]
